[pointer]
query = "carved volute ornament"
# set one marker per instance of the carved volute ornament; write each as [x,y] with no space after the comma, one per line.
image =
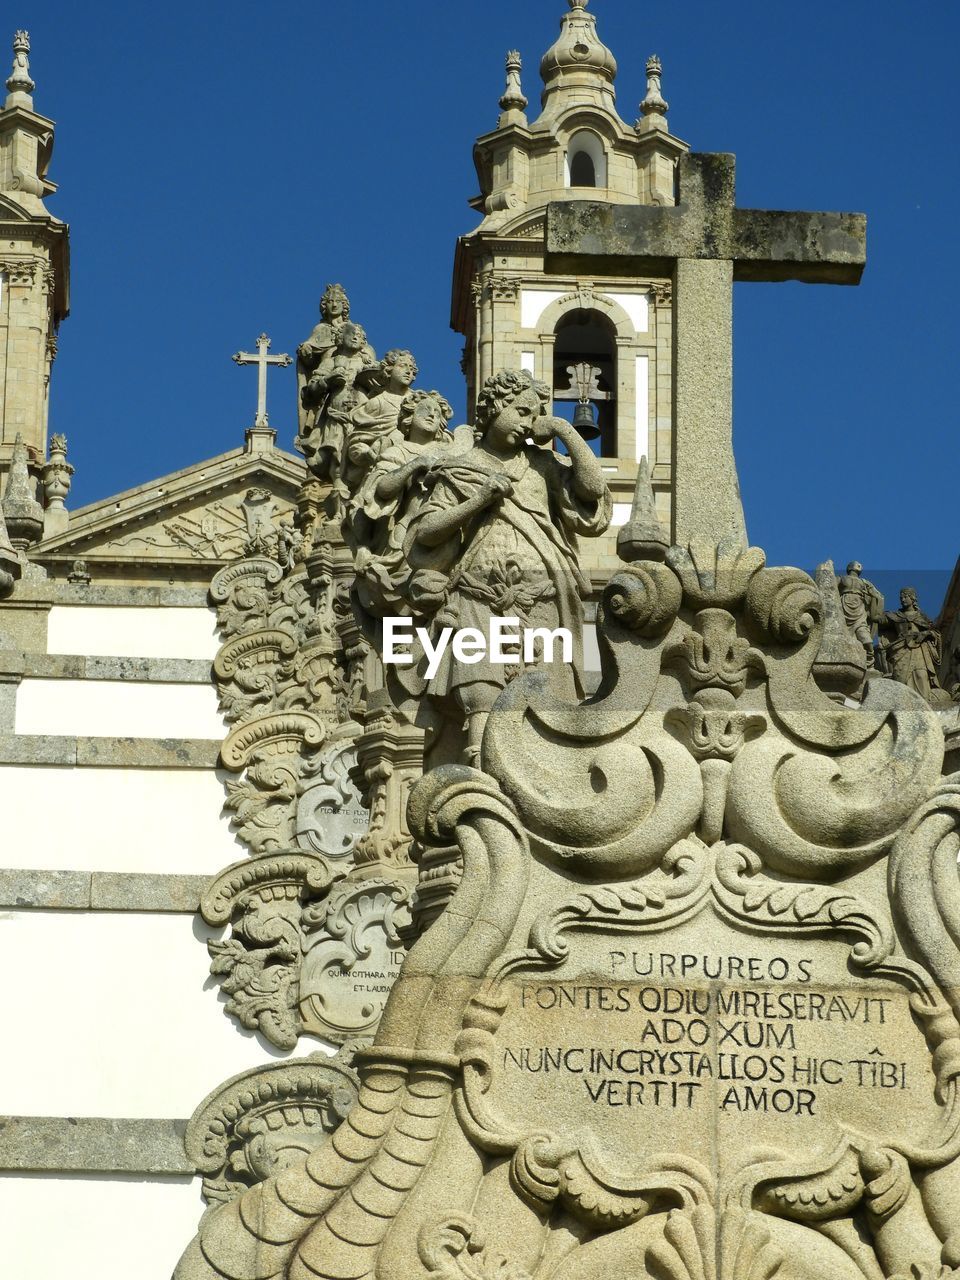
[692,1011]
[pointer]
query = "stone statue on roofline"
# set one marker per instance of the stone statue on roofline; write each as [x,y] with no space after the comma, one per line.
[862,607]
[373,422]
[913,649]
[323,339]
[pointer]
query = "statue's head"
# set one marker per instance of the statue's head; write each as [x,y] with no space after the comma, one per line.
[424,416]
[334,305]
[908,598]
[855,567]
[508,404]
[353,337]
[398,366]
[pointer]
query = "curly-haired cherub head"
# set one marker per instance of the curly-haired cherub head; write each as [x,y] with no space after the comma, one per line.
[424,416]
[397,370]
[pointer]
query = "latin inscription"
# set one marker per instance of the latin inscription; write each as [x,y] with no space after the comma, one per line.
[371,981]
[672,1043]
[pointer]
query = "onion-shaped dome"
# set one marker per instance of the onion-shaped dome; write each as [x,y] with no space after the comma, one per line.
[579,55]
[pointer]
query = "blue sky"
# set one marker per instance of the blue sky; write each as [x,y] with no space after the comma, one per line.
[218,163]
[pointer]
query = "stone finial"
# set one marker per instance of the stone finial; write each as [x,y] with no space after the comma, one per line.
[57,477]
[643,537]
[513,103]
[653,109]
[21,510]
[11,568]
[19,84]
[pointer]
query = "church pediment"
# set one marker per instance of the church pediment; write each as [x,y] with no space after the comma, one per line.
[183,525]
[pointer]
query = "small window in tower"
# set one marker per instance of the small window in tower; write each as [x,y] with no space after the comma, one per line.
[586,160]
[582,172]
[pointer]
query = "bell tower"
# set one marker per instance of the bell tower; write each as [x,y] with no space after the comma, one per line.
[604,347]
[34,268]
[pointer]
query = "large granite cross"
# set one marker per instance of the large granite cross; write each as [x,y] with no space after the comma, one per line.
[705,243]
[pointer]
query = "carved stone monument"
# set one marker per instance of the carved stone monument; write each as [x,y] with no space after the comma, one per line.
[692,1010]
[681,1001]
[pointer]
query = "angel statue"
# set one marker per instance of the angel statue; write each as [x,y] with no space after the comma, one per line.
[496,536]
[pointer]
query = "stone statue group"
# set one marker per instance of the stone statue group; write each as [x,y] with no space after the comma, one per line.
[448,527]
[902,643]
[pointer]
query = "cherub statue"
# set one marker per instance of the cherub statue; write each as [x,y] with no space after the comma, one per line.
[380,512]
[336,374]
[374,421]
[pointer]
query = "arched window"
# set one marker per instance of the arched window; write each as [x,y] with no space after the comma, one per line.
[586,160]
[587,338]
[582,172]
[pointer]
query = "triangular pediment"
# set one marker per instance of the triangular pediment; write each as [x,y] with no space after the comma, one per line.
[181,526]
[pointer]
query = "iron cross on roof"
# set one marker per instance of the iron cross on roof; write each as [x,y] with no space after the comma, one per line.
[261,359]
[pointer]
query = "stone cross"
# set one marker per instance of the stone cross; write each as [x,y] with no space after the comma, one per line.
[261,359]
[705,243]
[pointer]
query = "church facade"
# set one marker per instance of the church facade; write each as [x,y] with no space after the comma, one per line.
[190,693]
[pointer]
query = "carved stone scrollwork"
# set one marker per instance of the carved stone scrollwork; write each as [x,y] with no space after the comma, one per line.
[454,1247]
[258,965]
[263,1121]
[352,953]
[691,1007]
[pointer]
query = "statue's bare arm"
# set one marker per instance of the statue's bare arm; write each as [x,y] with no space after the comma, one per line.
[588,482]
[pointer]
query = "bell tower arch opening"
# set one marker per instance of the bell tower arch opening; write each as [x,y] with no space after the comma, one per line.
[585,372]
[586,160]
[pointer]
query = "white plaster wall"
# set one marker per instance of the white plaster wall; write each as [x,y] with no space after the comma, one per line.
[118,708]
[89,819]
[95,1229]
[643,407]
[110,631]
[533,303]
[637,307]
[113,1019]
[591,650]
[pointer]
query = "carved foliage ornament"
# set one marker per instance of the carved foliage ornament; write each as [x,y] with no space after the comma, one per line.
[290,797]
[692,1011]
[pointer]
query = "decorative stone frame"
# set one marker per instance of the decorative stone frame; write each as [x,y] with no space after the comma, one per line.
[629,341]
[594,145]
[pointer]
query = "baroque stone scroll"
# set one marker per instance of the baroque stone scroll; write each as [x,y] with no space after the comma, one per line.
[285,688]
[692,1010]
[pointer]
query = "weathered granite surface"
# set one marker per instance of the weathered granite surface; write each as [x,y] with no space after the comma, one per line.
[763,244]
[93,1144]
[100,890]
[692,1010]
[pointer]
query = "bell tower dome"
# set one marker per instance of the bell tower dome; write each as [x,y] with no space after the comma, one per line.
[604,348]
